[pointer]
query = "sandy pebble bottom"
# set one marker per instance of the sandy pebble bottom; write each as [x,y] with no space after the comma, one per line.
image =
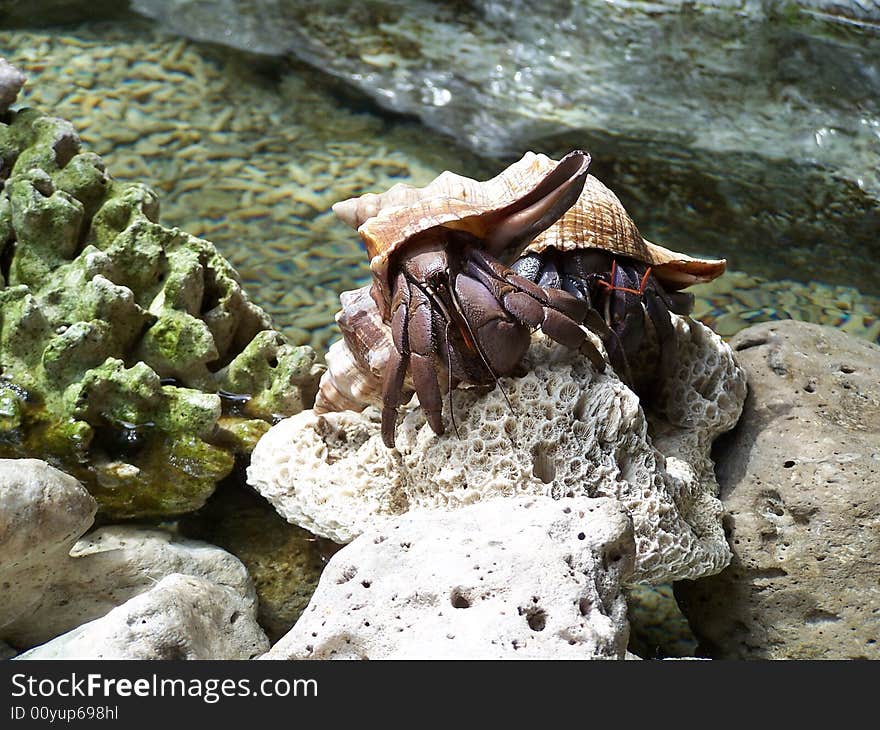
[738,300]
[253,163]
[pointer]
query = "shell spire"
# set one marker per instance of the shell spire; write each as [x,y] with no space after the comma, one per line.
[356,363]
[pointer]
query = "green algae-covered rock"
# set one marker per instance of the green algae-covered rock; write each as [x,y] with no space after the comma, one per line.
[130,356]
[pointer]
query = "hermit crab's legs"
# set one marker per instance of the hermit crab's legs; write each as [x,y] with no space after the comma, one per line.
[558,313]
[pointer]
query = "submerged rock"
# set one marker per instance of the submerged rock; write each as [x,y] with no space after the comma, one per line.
[723,125]
[114,564]
[560,430]
[42,513]
[131,357]
[799,479]
[526,577]
[181,617]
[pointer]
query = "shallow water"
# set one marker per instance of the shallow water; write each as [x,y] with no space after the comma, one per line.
[251,154]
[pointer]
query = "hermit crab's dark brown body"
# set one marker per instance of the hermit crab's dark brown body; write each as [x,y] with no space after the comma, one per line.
[464,270]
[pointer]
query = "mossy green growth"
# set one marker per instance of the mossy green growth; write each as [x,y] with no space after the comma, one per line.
[267,359]
[130,357]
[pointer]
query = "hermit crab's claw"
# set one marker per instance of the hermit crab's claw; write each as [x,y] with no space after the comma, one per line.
[517,224]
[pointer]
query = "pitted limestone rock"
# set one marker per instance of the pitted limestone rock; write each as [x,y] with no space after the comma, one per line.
[121,340]
[113,564]
[799,479]
[566,432]
[181,617]
[528,577]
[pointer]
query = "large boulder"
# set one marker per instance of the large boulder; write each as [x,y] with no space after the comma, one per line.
[799,481]
[42,513]
[181,617]
[524,577]
[730,122]
[560,430]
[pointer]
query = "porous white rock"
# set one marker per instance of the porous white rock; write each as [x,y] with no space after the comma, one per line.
[567,431]
[113,564]
[182,617]
[42,513]
[526,577]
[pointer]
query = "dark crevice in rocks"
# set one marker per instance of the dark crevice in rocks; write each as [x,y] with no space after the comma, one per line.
[7,253]
[459,599]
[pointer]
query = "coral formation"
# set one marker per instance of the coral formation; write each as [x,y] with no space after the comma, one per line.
[560,430]
[130,355]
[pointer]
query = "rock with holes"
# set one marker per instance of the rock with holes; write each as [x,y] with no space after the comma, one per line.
[526,577]
[42,513]
[113,564]
[559,430]
[130,354]
[181,617]
[799,480]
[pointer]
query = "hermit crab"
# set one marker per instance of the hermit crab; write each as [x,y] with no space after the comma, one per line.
[463,271]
